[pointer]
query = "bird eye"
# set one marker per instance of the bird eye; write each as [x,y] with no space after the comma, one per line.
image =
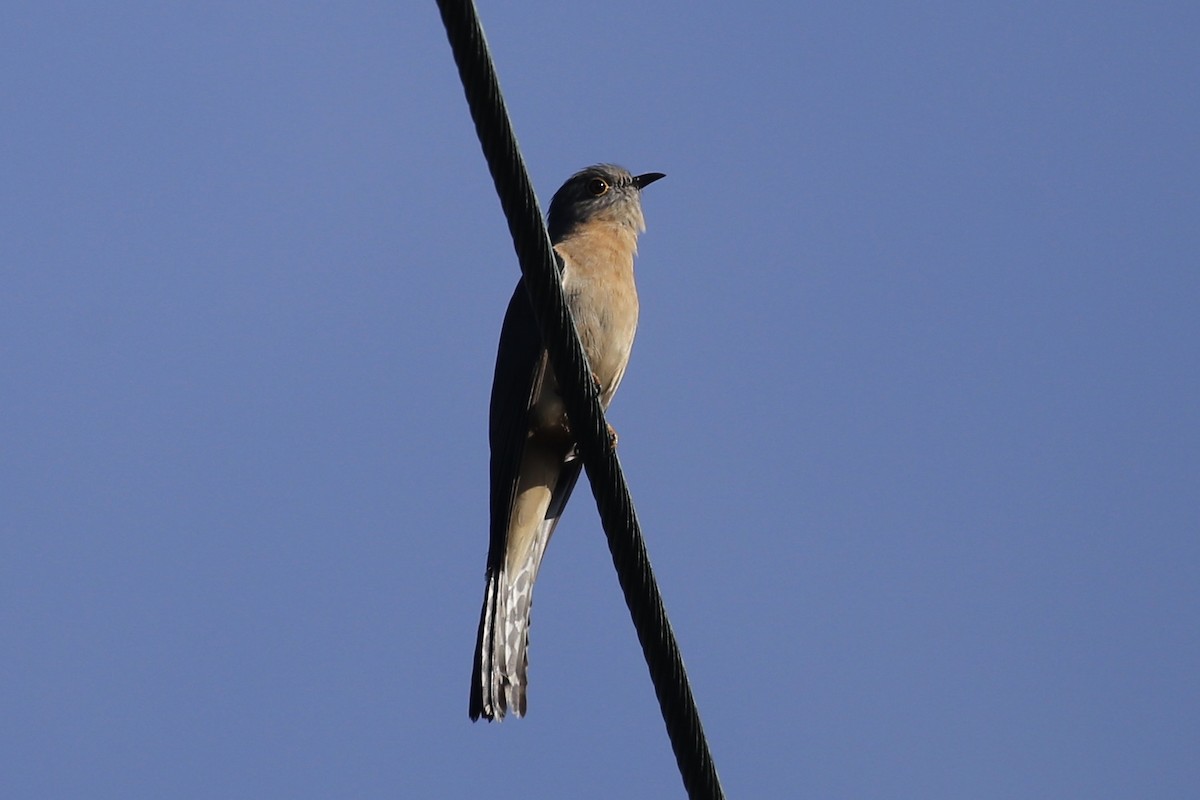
[597,186]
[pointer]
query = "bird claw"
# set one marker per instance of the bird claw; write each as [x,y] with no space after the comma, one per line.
[612,434]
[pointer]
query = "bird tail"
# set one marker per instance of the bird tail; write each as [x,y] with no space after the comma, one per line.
[502,646]
[498,676]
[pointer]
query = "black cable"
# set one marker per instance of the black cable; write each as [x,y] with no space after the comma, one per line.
[541,268]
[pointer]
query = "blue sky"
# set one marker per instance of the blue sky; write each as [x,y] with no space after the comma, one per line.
[911,422]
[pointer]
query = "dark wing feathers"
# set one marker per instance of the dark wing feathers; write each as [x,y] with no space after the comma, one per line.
[520,365]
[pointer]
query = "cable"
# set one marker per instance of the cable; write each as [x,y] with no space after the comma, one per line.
[541,267]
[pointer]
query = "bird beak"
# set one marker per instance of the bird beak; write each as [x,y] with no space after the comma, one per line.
[642,181]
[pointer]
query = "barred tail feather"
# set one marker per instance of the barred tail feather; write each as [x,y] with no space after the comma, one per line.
[502,650]
[484,676]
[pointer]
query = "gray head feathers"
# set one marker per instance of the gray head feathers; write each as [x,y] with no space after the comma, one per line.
[602,193]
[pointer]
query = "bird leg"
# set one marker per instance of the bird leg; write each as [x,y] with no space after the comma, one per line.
[612,434]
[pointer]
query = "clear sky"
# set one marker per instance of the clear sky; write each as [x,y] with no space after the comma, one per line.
[912,421]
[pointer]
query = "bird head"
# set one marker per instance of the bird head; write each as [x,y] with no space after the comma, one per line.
[604,193]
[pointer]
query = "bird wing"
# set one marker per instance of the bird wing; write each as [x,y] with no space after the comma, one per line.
[520,369]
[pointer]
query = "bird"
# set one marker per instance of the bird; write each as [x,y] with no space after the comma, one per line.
[594,222]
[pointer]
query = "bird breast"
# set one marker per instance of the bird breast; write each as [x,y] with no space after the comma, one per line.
[598,282]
